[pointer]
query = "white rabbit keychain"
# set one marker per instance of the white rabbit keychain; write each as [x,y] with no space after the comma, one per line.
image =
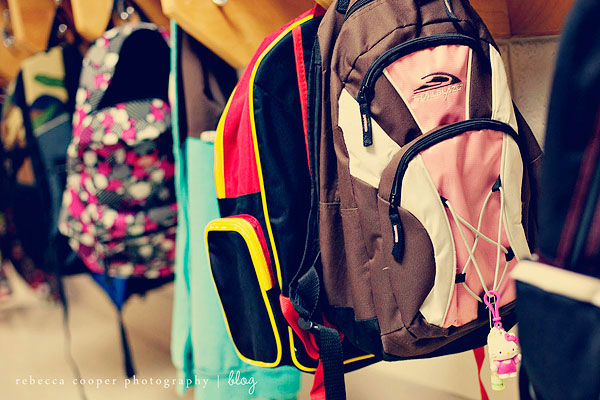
[503,347]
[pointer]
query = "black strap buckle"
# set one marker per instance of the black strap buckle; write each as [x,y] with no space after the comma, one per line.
[308,325]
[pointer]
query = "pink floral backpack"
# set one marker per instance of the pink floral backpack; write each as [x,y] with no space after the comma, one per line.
[119,206]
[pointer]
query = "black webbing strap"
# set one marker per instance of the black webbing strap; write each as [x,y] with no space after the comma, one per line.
[450,11]
[342,6]
[305,286]
[128,361]
[305,294]
[311,255]
[305,299]
[331,354]
[52,264]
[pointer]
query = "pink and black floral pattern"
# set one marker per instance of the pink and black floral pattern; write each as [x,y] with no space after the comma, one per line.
[119,206]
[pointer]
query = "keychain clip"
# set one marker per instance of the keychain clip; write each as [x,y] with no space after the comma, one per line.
[503,347]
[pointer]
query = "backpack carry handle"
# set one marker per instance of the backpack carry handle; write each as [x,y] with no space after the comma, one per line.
[342,7]
[449,10]
[104,59]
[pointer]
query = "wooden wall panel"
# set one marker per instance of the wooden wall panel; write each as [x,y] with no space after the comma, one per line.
[153,10]
[537,17]
[325,3]
[91,17]
[493,12]
[506,18]
[10,58]
[495,15]
[31,22]
[234,30]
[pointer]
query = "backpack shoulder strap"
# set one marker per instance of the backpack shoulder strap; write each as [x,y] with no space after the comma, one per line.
[100,62]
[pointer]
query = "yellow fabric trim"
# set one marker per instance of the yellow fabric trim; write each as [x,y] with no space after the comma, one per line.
[255,141]
[246,230]
[307,369]
[219,159]
[355,359]
[293,353]
[260,175]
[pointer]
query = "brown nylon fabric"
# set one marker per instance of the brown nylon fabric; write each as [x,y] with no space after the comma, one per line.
[403,344]
[208,81]
[359,271]
[531,180]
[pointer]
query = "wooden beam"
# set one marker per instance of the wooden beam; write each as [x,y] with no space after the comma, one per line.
[11,62]
[91,17]
[154,12]
[233,31]
[495,15]
[31,22]
[507,18]
[11,57]
[325,3]
[537,17]
[493,12]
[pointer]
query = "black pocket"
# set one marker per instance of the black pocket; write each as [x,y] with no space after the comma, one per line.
[242,273]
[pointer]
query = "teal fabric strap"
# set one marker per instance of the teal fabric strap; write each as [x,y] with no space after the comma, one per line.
[201,348]
[181,343]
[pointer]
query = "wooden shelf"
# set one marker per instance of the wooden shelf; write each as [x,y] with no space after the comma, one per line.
[234,30]
[11,57]
[495,15]
[27,16]
[508,18]
[537,17]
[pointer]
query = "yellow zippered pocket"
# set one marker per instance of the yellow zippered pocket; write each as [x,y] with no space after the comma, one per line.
[240,265]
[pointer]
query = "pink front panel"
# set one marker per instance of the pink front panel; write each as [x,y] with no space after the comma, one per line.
[464,169]
[433,84]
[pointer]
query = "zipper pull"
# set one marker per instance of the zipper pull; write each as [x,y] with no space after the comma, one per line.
[398,232]
[365,116]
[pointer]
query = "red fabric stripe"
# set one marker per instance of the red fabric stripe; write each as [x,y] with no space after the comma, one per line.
[318,389]
[593,241]
[308,340]
[261,239]
[291,316]
[302,84]
[318,10]
[479,358]
[582,186]
[239,162]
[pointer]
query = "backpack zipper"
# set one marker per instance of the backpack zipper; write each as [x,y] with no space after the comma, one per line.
[366,91]
[421,144]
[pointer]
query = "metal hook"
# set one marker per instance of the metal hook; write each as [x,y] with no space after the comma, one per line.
[62,29]
[124,12]
[8,38]
[60,18]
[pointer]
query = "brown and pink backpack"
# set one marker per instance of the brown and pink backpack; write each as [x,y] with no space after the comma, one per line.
[427,179]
